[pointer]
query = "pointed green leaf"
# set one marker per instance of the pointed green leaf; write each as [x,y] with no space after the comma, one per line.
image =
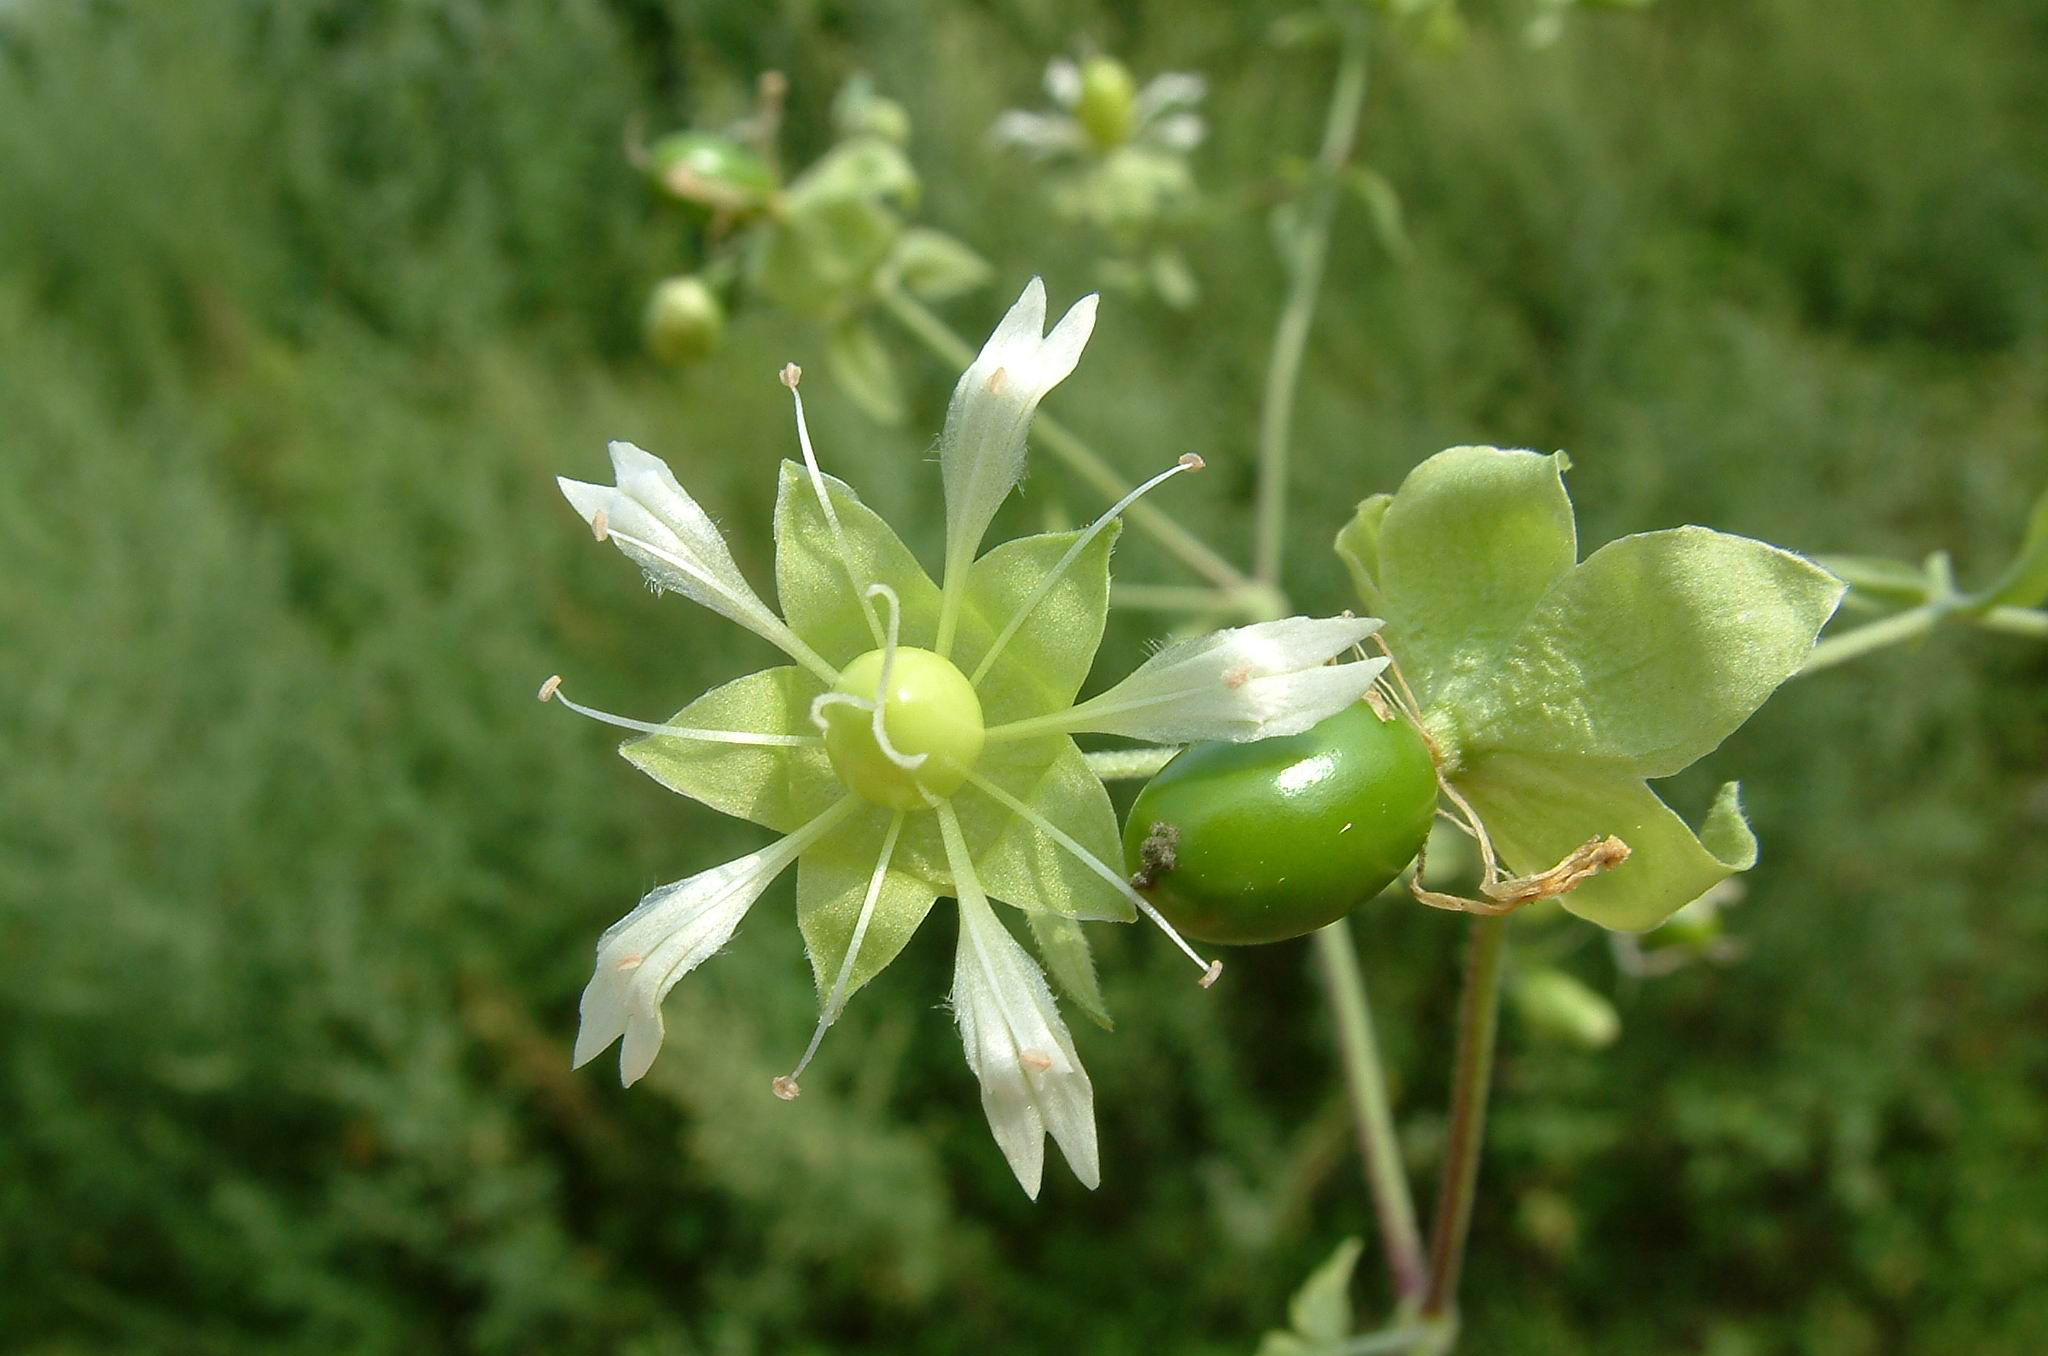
[1044,663]
[781,788]
[831,886]
[864,370]
[1468,547]
[1358,546]
[1064,949]
[1652,652]
[2025,581]
[1321,1310]
[1538,809]
[814,584]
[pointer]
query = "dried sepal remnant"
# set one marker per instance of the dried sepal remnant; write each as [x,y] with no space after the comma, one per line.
[868,751]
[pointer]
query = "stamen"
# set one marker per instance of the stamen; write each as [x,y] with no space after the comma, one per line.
[791,375]
[1188,462]
[552,689]
[785,1086]
[908,762]
[1035,1059]
[1210,969]
[600,526]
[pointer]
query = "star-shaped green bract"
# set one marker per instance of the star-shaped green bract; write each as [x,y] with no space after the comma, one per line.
[1037,672]
[1555,687]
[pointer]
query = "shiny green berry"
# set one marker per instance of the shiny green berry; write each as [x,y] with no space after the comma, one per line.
[1107,106]
[1239,843]
[930,709]
[711,170]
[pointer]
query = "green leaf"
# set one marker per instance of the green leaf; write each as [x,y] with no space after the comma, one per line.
[1468,547]
[1043,665]
[831,886]
[1538,809]
[1321,1310]
[781,788]
[1652,652]
[1064,949]
[864,169]
[934,266]
[862,367]
[822,255]
[1893,581]
[1358,546]
[812,582]
[2025,581]
[1383,204]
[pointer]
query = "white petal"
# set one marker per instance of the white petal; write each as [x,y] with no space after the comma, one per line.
[1253,682]
[672,539]
[1177,132]
[981,452]
[1063,81]
[671,932]
[1031,1079]
[1164,93]
[1041,134]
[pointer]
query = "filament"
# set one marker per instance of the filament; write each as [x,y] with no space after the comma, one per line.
[1188,462]
[551,690]
[791,375]
[835,1003]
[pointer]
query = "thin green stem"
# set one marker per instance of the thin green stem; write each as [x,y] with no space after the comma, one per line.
[1366,1083]
[935,334]
[2018,621]
[1893,630]
[1385,1342]
[1471,1079]
[1309,250]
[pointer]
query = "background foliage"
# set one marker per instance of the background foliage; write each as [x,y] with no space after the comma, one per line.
[301,306]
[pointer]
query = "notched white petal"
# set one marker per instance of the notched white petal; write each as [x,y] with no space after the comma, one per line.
[1166,92]
[1251,682]
[654,521]
[1032,1082]
[981,452]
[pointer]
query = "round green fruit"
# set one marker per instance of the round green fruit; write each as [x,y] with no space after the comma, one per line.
[715,171]
[1259,842]
[930,709]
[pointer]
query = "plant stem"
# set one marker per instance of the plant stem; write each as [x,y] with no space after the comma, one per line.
[1862,640]
[1472,1077]
[1384,1342]
[1310,249]
[935,334]
[1378,1144]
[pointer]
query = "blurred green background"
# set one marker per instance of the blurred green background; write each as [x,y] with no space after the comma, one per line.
[302,306]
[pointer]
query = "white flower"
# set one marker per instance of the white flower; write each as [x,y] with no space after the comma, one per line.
[1031,1079]
[1162,116]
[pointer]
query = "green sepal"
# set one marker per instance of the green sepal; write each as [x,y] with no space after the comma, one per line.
[863,369]
[2025,581]
[832,881]
[1358,546]
[1064,949]
[1538,809]
[934,266]
[811,581]
[1043,665]
[777,787]
[1024,867]
[1319,1315]
[1651,652]
[1467,549]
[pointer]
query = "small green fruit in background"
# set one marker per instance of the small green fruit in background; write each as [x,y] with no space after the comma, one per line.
[1259,842]
[1559,1006]
[1107,107]
[713,171]
[685,320]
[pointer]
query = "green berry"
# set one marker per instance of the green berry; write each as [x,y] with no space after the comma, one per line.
[1259,842]
[715,171]
[1108,101]
[685,321]
[930,709]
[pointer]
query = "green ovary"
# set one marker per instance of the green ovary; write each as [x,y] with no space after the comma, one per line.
[930,709]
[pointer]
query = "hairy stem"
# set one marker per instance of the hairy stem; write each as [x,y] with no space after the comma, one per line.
[1310,248]
[937,336]
[1366,1083]
[1471,1078]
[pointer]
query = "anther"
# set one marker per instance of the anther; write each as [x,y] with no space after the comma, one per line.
[548,688]
[599,525]
[785,1087]
[628,964]
[1237,677]
[791,374]
[1212,974]
[1035,1059]
[1192,461]
[997,380]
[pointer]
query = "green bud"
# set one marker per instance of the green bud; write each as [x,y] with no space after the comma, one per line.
[1107,107]
[685,321]
[1556,1005]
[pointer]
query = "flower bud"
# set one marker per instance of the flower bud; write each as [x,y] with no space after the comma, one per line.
[685,321]
[1555,1004]
[1107,108]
